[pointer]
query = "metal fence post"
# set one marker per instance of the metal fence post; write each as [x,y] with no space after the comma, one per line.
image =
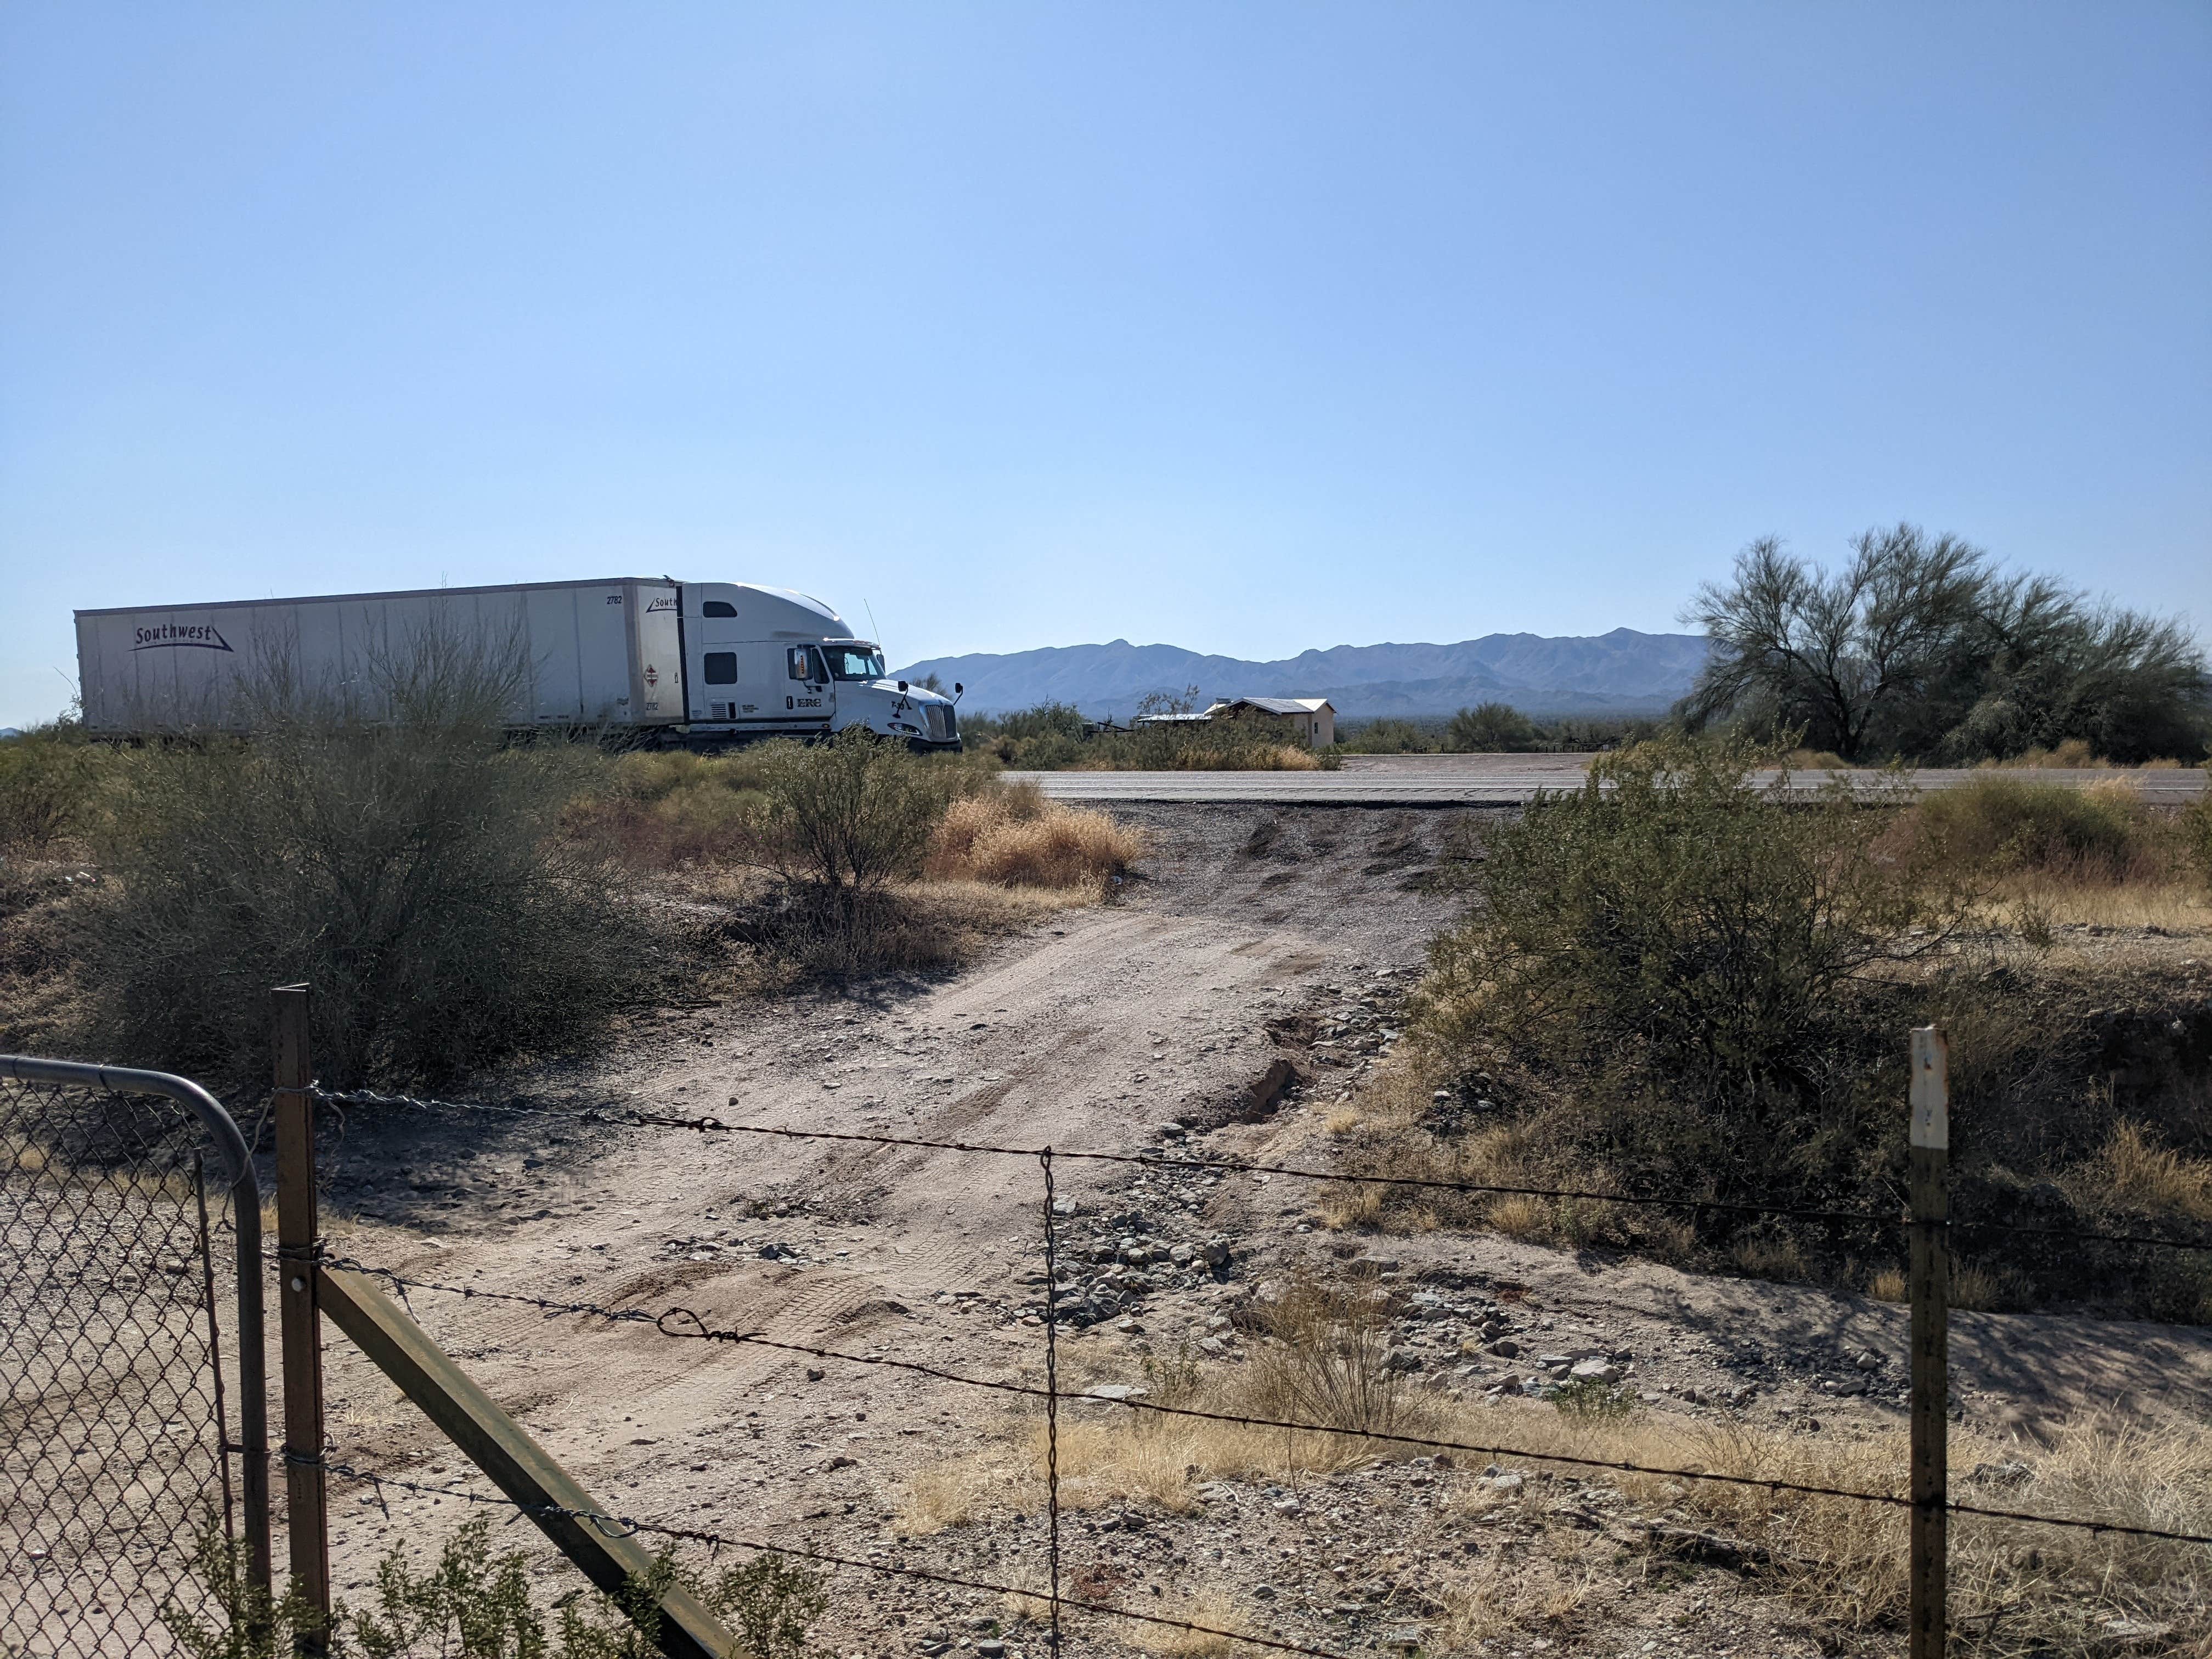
[1930,1155]
[301,1322]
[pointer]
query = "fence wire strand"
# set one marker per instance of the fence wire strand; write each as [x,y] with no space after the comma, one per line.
[629,1527]
[633,1117]
[1053,1395]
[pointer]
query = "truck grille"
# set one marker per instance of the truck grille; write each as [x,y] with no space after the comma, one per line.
[942,725]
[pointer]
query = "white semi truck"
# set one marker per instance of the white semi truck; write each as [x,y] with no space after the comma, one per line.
[697,665]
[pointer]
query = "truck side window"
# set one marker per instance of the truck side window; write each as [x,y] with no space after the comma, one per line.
[721,667]
[801,669]
[718,608]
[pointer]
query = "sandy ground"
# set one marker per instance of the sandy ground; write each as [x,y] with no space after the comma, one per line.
[1251,934]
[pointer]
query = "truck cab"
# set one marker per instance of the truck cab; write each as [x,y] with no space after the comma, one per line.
[770,662]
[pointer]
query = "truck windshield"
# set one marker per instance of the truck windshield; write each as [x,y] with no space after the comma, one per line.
[854,662]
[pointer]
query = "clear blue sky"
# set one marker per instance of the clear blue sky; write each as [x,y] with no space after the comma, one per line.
[1247,327]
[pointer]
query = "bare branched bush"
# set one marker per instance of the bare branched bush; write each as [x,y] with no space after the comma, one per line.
[383,844]
[851,815]
[46,788]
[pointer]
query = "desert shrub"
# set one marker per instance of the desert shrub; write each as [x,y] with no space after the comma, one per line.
[1388,736]
[1665,918]
[1489,728]
[1721,1011]
[656,809]
[1670,983]
[2193,826]
[1013,837]
[1587,1399]
[851,814]
[771,1602]
[1325,1361]
[46,790]
[471,1602]
[1995,826]
[408,866]
[251,1622]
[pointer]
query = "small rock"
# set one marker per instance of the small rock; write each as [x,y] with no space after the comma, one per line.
[1216,1252]
[815,1373]
[1596,1370]
[1182,1255]
[1502,1483]
[1506,1348]
[1263,1592]
[1063,1207]
[990,1647]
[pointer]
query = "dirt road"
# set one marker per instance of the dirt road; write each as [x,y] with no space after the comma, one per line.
[1251,934]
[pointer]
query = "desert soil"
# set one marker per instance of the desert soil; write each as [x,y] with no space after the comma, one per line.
[1253,934]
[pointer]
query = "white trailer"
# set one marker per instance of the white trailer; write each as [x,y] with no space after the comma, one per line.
[700,665]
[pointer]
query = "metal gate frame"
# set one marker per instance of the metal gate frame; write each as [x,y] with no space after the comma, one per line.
[244,1187]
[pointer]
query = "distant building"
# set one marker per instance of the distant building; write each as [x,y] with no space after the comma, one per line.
[1310,720]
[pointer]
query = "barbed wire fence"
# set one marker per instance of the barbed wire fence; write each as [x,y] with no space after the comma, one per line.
[683,1323]
[124,1321]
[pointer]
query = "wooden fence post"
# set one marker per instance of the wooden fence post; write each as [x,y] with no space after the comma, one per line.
[296,1302]
[1930,1154]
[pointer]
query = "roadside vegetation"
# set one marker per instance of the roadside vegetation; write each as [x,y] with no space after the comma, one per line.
[1919,647]
[459,900]
[477,1602]
[1663,984]
[1054,737]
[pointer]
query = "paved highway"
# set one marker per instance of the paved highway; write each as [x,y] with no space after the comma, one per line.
[1488,780]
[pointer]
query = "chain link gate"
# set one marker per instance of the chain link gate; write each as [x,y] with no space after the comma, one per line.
[130,1345]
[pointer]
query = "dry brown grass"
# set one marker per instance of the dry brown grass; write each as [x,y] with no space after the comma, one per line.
[1011,836]
[1843,1562]
[2133,1172]
[1210,1605]
[2017,1589]
[1536,1590]
[2075,755]
[1317,1359]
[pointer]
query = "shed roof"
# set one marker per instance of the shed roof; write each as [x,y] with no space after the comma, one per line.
[1281,705]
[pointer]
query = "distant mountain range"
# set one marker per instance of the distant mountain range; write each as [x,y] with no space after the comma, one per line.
[1623,672]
